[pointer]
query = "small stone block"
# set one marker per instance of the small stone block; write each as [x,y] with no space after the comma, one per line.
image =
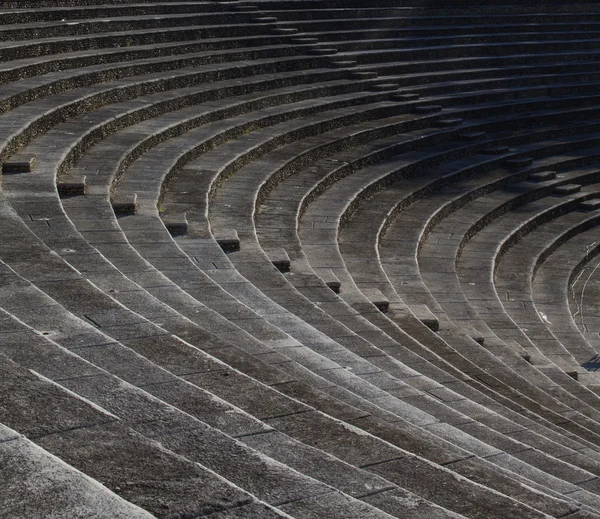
[447,122]
[284,30]
[590,205]
[384,87]
[427,109]
[566,189]
[177,225]
[280,259]
[518,162]
[304,41]
[478,339]
[471,136]
[228,240]
[75,186]
[495,150]
[526,357]
[20,163]
[331,280]
[377,298]
[426,316]
[573,374]
[264,19]
[406,96]
[246,8]
[322,51]
[124,204]
[343,64]
[542,176]
[363,74]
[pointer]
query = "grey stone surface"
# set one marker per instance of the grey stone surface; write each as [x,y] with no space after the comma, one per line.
[143,472]
[35,484]
[211,110]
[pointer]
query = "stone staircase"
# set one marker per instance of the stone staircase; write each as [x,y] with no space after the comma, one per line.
[296,258]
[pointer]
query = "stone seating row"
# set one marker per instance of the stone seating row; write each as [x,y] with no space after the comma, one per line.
[118,398]
[562,326]
[75,383]
[127,282]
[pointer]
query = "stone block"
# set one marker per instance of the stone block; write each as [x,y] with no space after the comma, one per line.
[406,96]
[264,19]
[447,122]
[427,109]
[566,189]
[73,186]
[377,298]
[279,257]
[498,149]
[284,30]
[228,240]
[331,280]
[590,205]
[343,64]
[384,87]
[304,41]
[20,163]
[518,162]
[124,204]
[472,136]
[426,316]
[322,51]
[573,374]
[542,176]
[363,74]
[176,224]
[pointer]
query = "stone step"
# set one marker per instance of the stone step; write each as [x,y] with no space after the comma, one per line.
[31,474]
[495,149]
[322,51]
[518,162]
[406,96]
[228,240]
[384,87]
[472,136]
[92,440]
[427,109]
[447,122]
[426,316]
[20,163]
[176,224]
[264,19]
[567,189]
[124,204]
[363,74]
[279,258]
[305,40]
[376,297]
[74,186]
[331,280]
[284,30]
[590,205]
[344,64]
[542,176]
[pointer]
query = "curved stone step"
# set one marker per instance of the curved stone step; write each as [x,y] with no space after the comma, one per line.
[35,483]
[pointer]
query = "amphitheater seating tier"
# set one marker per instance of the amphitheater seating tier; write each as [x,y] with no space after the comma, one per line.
[299,259]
